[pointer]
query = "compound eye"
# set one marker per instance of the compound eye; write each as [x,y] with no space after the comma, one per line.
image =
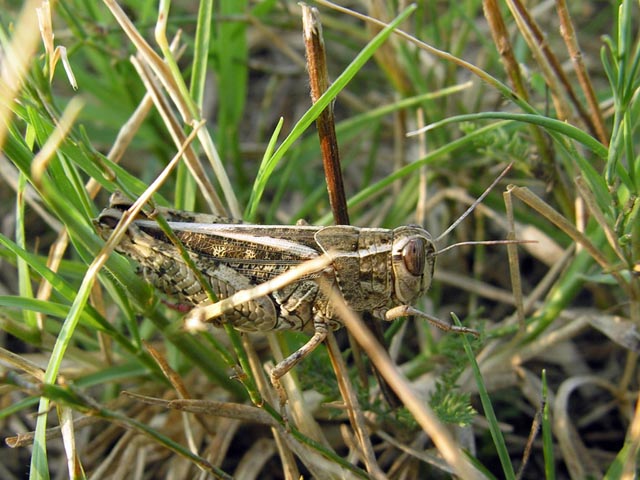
[413,255]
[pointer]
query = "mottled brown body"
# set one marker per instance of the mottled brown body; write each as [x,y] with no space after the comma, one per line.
[377,270]
[234,256]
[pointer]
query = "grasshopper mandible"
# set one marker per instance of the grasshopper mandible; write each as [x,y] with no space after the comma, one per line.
[377,270]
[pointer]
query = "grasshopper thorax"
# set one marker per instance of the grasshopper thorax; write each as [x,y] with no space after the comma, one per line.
[412,261]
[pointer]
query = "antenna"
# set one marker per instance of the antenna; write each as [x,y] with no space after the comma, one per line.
[475,204]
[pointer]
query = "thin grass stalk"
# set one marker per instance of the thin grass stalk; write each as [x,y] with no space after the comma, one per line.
[325,123]
[514,264]
[24,275]
[319,82]
[503,43]
[174,85]
[571,41]
[561,222]
[420,410]
[267,167]
[549,64]
[175,130]
[17,58]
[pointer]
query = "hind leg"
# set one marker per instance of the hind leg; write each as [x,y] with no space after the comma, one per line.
[321,329]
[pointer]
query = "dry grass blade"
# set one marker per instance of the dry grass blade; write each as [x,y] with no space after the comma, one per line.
[502,40]
[356,416]
[503,44]
[147,78]
[514,265]
[549,64]
[576,456]
[535,427]
[313,460]
[420,410]
[571,40]
[21,364]
[62,130]
[74,466]
[151,58]
[561,222]
[186,108]
[196,319]
[181,389]
[255,459]
[319,81]
[630,464]
[592,205]
[176,132]
[235,411]
[17,57]
[303,418]
[26,439]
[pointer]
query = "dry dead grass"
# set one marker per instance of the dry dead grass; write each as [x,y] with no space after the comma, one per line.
[558,355]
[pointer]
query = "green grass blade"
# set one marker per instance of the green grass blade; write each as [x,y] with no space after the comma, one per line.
[494,427]
[547,432]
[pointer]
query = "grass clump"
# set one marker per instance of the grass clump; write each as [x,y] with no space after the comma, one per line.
[205,108]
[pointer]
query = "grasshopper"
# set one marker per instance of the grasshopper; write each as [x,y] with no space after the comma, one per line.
[377,270]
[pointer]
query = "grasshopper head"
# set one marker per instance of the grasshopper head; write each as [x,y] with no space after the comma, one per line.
[107,221]
[111,216]
[412,261]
